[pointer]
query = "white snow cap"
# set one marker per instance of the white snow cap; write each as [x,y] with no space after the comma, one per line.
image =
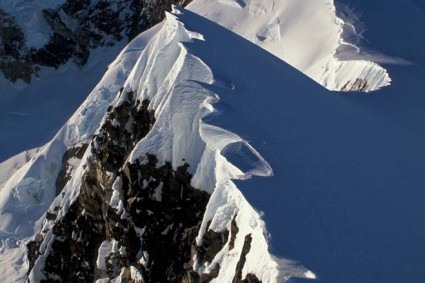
[303,33]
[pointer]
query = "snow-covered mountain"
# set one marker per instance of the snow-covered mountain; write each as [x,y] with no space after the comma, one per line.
[37,34]
[154,176]
[53,53]
[63,42]
[310,35]
[125,221]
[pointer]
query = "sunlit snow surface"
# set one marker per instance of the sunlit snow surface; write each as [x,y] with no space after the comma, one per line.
[20,206]
[346,198]
[348,185]
[305,34]
[178,84]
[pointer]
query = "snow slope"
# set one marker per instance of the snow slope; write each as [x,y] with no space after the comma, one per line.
[28,15]
[30,188]
[305,34]
[347,192]
[350,181]
[178,83]
[354,192]
[32,114]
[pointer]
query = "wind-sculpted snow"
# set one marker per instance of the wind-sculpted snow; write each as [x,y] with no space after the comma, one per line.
[30,188]
[347,189]
[226,110]
[179,85]
[175,81]
[305,34]
[349,164]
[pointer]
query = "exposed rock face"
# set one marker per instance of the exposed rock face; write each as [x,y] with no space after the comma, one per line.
[132,216]
[150,213]
[134,221]
[77,27]
[68,165]
[15,59]
[357,85]
[245,250]
[169,211]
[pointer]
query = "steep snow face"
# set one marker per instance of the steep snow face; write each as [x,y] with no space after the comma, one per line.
[53,53]
[230,243]
[37,34]
[338,170]
[57,94]
[28,182]
[348,186]
[181,101]
[306,34]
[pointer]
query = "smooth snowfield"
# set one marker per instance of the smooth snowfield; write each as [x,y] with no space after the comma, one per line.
[32,114]
[303,33]
[348,186]
[347,190]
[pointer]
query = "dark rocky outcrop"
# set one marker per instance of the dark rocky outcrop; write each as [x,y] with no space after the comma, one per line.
[144,211]
[357,85]
[169,210]
[154,198]
[77,27]
[90,219]
[67,166]
[251,278]
[14,55]
[233,232]
[239,267]
[212,243]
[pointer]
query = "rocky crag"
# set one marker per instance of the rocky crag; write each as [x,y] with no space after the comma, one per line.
[76,28]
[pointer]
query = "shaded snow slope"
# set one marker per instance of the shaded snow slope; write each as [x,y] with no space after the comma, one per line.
[31,114]
[346,194]
[348,187]
[306,34]
[30,188]
[176,83]
[28,14]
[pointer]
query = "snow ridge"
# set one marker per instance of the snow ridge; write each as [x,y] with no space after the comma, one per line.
[27,191]
[179,135]
[306,34]
[175,82]
[181,102]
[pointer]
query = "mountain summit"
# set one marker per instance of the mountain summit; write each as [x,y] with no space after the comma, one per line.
[150,196]
[201,156]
